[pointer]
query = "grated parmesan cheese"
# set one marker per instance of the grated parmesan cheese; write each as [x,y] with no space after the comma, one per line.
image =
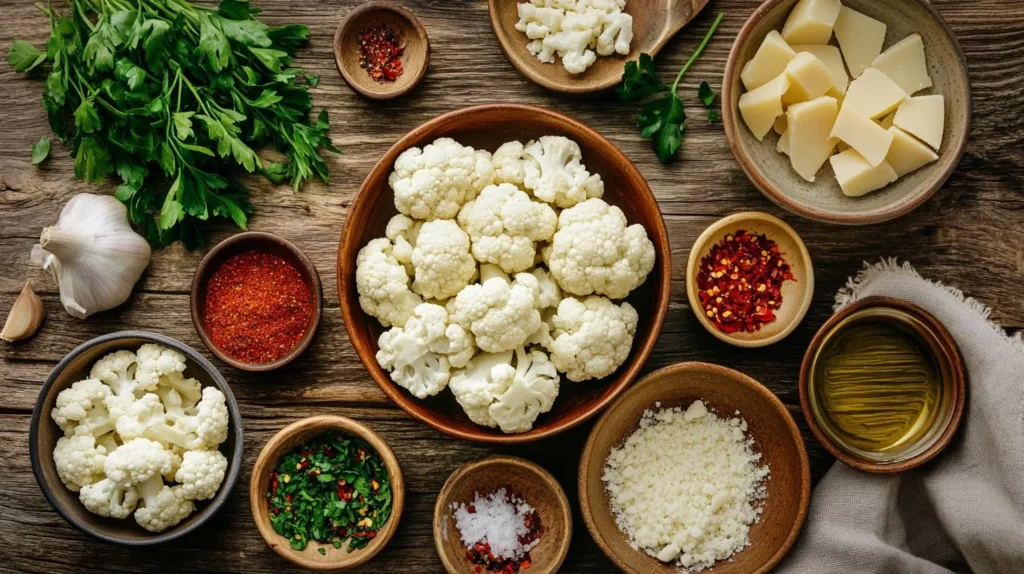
[686,486]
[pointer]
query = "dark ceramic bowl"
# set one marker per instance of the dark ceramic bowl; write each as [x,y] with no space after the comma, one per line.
[44,433]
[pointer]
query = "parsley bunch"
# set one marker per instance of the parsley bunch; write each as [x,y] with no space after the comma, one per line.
[174,99]
[663,120]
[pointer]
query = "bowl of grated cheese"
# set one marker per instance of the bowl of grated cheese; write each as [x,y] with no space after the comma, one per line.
[696,467]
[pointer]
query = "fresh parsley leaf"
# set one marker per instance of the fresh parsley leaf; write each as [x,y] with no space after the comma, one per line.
[706,95]
[714,117]
[248,32]
[274,60]
[92,160]
[40,150]
[237,9]
[639,80]
[86,118]
[312,80]
[213,44]
[183,125]
[24,56]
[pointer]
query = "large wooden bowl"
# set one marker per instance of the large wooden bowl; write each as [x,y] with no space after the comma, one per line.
[487,127]
[725,391]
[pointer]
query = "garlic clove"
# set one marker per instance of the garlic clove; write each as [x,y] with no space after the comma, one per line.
[25,317]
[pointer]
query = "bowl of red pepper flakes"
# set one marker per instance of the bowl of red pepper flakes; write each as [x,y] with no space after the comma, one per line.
[256,301]
[750,279]
[381,50]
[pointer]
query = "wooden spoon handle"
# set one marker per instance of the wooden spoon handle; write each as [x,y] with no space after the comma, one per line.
[679,14]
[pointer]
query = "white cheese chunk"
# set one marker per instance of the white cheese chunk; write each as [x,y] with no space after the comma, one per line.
[783,145]
[857,176]
[860,37]
[781,124]
[808,79]
[760,107]
[810,144]
[811,22]
[907,154]
[873,95]
[905,64]
[833,60]
[923,117]
[886,122]
[769,61]
[863,135]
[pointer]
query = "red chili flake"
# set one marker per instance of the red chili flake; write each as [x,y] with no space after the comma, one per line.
[740,282]
[257,307]
[380,52]
[480,552]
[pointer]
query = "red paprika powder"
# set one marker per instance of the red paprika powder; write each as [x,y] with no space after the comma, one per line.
[257,307]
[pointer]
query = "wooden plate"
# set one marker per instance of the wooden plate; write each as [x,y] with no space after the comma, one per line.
[415,58]
[654,24]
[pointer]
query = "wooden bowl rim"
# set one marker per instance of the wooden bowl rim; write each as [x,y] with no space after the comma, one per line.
[732,125]
[959,384]
[265,463]
[549,480]
[202,515]
[414,23]
[633,364]
[202,276]
[694,260]
[717,370]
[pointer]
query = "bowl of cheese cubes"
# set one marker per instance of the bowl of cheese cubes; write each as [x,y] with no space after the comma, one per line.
[847,111]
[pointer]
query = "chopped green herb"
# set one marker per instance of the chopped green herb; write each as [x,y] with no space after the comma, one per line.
[40,150]
[713,116]
[706,95]
[322,551]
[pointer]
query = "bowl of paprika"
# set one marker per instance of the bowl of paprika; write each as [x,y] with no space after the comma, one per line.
[256,301]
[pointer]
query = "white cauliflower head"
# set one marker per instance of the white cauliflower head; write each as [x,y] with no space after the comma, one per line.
[421,354]
[509,165]
[500,314]
[495,393]
[442,260]
[434,182]
[155,361]
[161,506]
[201,473]
[109,498]
[79,461]
[555,172]
[591,338]
[595,252]
[505,224]
[80,409]
[382,282]
[137,460]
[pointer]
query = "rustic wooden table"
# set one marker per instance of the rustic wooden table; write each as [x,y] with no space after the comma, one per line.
[971,235]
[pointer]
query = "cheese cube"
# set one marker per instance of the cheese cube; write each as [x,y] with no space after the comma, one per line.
[860,37]
[923,117]
[863,135]
[783,145]
[873,95]
[769,61]
[905,64]
[781,124]
[858,177]
[833,60]
[808,79]
[760,107]
[886,122]
[907,154]
[811,22]
[809,142]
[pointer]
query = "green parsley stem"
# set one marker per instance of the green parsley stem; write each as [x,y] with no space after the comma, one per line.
[697,52]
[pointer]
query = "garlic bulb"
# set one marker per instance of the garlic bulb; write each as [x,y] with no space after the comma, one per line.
[93,254]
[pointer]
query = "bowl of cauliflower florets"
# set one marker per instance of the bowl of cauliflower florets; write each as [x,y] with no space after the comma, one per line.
[136,438]
[504,273]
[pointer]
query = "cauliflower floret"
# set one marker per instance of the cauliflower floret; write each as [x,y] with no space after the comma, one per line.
[383,284]
[550,292]
[204,430]
[442,260]
[505,224]
[595,252]
[538,21]
[509,165]
[137,460]
[162,506]
[421,354]
[179,392]
[155,361]
[555,173]
[108,498]
[571,46]
[210,423]
[434,182]
[574,28]
[616,36]
[592,337]
[79,409]
[201,474]
[495,394]
[402,232]
[117,371]
[79,461]
[500,314]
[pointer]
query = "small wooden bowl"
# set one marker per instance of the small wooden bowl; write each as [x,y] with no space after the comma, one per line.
[415,58]
[796,295]
[267,243]
[44,433]
[948,361]
[823,200]
[281,444]
[487,127]
[654,24]
[725,391]
[523,478]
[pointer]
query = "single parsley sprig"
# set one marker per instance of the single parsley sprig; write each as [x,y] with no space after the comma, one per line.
[663,120]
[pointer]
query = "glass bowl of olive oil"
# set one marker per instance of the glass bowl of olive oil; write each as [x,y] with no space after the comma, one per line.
[883,386]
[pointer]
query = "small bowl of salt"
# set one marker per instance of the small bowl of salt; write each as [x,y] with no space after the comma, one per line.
[502,513]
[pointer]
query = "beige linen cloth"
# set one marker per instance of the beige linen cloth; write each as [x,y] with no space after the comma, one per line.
[964,510]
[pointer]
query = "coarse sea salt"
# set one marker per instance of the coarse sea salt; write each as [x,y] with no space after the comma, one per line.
[498,519]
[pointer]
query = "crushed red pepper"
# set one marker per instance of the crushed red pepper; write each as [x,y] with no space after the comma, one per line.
[380,52]
[740,282]
[257,307]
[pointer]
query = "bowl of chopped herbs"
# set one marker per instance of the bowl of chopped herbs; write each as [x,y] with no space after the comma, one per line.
[326,493]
